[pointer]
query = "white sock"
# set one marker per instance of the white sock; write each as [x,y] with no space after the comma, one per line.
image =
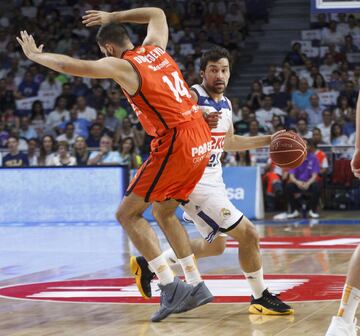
[162,270]
[171,257]
[256,282]
[349,303]
[190,270]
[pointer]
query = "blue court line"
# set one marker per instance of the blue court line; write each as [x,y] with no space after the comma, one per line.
[305,221]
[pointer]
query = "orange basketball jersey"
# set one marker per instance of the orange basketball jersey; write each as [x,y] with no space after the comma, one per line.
[163,99]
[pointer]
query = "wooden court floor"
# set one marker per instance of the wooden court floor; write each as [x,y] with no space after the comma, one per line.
[36,254]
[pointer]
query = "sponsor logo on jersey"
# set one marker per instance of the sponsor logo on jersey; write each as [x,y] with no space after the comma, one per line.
[163,64]
[225,288]
[217,142]
[201,150]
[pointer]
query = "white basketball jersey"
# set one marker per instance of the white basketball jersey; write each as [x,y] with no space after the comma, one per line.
[208,105]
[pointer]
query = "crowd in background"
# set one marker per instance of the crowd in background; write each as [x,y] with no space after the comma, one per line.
[47,118]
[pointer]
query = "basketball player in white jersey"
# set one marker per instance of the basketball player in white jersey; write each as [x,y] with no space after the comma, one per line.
[209,208]
[344,324]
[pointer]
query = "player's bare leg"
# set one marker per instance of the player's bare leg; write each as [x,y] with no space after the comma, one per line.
[344,324]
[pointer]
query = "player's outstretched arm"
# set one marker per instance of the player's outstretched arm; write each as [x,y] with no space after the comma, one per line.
[355,162]
[157,31]
[237,143]
[108,67]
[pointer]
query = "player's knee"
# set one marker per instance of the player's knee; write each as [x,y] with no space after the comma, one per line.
[125,217]
[218,246]
[250,236]
[161,215]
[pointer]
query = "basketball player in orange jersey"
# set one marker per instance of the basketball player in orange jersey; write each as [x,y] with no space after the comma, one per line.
[344,324]
[154,86]
[209,207]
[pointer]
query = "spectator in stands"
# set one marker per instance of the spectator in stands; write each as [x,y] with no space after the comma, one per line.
[126,131]
[331,35]
[116,97]
[69,136]
[84,111]
[51,84]
[321,22]
[96,98]
[322,158]
[81,125]
[14,158]
[62,157]
[79,88]
[265,114]
[317,137]
[47,150]
[253,129]
[292,85]
[128,156]
[95,134]
[37,118]
[356,76]
[301,97]
[303,180]
[350,93]
[4,134]
[271,76]
[314,112]
[302,129]
[325,126]
[337,137]
[242,126]
[111,122]
[349,125]
[329,65]
[281,99]
[349,46]
[336,82]
[28,87]
[70,98]
[81,151]
[32,152]
[26,131]
[342,25]
[105,156]
[319,85]
[236,110]
[295,57]
[58,115]
[338,56]
[343,109]
[354,29]
[276,124]
[255,97]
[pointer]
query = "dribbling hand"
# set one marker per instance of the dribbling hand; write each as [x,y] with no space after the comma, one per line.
[96,18]
[355,163]
[28,44]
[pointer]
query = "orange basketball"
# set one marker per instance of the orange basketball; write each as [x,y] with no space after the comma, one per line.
[288,150]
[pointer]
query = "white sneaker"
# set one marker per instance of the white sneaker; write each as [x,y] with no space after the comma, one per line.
[280,216]
[338,327]
[294,214]
[313,214]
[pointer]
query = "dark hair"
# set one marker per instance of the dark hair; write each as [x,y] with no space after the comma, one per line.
[112,32]
[33,115]
[13,137]
[332,130]
[213,55]
[132,149]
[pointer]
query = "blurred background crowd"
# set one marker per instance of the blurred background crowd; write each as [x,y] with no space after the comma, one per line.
[49,119]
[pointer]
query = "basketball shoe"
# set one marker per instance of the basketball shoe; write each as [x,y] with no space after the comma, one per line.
[339,327]
[173,296]
[269,304]
[139,268]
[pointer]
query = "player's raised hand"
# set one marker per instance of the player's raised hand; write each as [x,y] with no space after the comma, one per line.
[355,163]
[96,18]
[28,44]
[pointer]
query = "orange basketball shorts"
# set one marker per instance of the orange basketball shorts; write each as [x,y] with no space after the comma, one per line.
[175,165]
